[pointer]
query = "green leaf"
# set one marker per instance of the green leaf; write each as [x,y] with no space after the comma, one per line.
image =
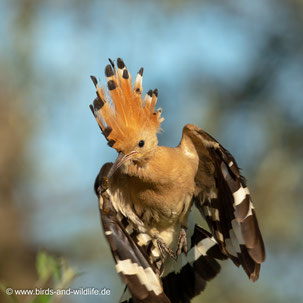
[47,267]
[42,299]
[68,274]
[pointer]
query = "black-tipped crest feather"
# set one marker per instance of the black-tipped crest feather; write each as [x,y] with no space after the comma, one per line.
[98,103]
[111,63]
[111,84]
[94,79]
[120,63]
[109,71]
[125,74]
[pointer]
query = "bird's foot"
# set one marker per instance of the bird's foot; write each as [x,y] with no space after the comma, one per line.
[101,190]
[182,242]
[105,203]
[105,184]
[164,249]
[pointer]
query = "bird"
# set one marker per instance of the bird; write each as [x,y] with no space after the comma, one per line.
[147,197]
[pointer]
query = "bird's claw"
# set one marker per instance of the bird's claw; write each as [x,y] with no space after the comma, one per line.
[105,204]
[105,184]
[103,188]
[182,242]
[164,249]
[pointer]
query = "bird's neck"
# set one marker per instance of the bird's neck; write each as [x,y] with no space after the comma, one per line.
[165,165]
[143,169]
[162,167]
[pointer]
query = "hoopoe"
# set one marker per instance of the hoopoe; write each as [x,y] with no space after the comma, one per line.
[146,197]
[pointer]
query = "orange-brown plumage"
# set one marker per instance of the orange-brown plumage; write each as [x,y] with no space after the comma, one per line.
[154,187]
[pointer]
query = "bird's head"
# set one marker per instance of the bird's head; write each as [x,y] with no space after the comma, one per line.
[129,123]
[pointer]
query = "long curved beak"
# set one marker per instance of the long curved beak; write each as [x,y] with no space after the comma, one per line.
[121,159]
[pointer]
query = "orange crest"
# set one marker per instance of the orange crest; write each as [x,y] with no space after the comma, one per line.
[122,116]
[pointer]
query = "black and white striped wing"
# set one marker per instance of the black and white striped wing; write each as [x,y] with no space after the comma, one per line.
[187,277]
[132,261]
[230,212]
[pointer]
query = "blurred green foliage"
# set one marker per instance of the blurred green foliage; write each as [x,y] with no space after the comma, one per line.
[52,273]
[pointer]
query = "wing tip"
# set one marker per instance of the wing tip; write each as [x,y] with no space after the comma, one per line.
[254,276]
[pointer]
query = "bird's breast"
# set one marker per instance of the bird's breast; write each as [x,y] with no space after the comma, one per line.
[156,205]
[161,207]
[158,195]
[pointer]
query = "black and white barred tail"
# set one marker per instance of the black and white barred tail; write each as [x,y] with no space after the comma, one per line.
[187,277]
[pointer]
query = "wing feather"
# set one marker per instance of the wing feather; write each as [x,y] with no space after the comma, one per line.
[229,212]
[132,262]
[200,265]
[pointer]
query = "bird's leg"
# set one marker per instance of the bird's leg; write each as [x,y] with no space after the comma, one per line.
[182,242]
[105,204]
[104,185]
[164,249]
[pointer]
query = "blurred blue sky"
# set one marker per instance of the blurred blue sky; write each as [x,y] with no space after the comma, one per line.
[179,46]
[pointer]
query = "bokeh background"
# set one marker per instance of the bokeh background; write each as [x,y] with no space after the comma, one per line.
[234,68]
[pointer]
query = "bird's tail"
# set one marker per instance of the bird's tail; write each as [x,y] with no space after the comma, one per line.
[186,278]
[192,272]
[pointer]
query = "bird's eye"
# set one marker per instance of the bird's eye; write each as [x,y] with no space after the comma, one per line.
[141,143]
